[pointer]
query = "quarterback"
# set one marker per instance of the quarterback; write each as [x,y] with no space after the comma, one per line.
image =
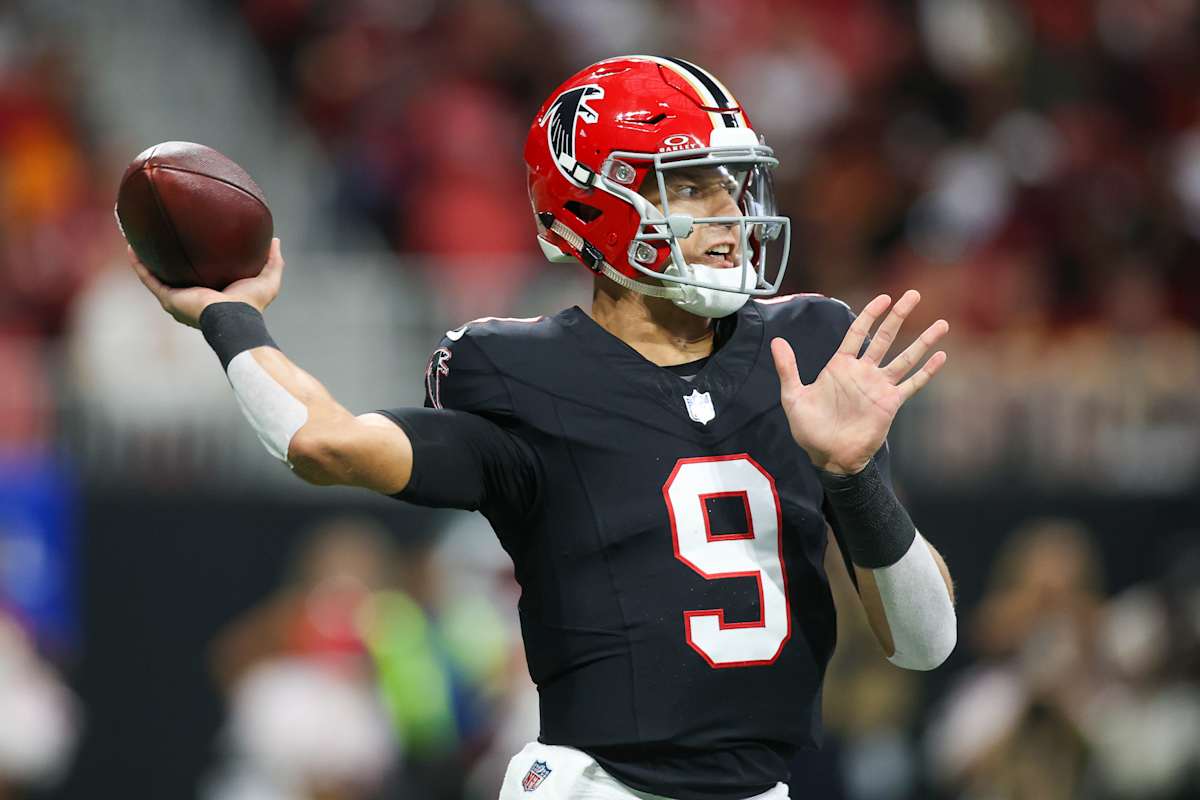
[662,467]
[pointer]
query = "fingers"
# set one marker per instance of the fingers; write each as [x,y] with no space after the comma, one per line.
[274,266]
[785,366]
[266,284]
[852,343]
[912,355]
[922,376]
[156,287]
[272,275]
[882,341]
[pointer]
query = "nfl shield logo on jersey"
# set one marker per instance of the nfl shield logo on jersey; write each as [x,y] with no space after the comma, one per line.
[536,774]
[700,406]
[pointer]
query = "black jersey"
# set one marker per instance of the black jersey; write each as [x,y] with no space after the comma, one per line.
[667,532]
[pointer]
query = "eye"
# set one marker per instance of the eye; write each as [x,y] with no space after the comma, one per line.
[688,190]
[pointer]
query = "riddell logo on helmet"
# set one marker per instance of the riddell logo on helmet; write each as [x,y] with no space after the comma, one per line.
[678,141]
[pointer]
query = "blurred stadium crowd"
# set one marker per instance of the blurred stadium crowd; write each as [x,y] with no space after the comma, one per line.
[1032,166]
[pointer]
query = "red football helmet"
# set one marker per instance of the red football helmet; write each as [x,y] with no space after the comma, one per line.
[599,136]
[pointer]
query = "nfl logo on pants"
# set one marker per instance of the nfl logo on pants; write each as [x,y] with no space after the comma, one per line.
[534,777]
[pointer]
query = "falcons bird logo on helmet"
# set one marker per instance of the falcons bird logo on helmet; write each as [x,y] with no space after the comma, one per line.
[563,117]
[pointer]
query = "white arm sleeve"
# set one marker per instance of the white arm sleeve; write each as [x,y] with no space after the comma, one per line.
[273,413]
[918,607]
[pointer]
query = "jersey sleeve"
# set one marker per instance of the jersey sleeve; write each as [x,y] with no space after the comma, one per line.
[465,454]
[459,376]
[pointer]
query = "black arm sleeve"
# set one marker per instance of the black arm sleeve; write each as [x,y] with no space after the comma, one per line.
[883,461]
[872,523]
[461,460]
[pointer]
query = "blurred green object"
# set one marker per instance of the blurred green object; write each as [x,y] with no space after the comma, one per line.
[434,672]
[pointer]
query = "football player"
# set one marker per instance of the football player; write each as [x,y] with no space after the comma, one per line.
[662,467]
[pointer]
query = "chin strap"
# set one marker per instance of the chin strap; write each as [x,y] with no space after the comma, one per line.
[669,292]
[607,270]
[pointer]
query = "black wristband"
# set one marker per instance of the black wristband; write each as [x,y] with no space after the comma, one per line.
[232,328]
[874,525]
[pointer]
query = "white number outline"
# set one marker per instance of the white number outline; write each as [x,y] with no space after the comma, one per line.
[719,613]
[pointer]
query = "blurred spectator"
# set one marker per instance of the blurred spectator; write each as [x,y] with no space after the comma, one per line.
[1013,727]
[1074,696]
[426,626]
[448,655]
[476,577]
[55,215]
[55,220]
[306,721]
[1145,725]
[39,717]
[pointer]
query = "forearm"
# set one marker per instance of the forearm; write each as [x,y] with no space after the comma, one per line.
[295,417]
[872,602]
[903,581]
[308,449]
[944,571]
[307,390]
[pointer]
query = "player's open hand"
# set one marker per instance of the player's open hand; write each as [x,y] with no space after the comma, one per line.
[842,418]
[186,304]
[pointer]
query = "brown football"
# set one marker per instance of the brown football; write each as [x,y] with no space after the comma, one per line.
[193,216]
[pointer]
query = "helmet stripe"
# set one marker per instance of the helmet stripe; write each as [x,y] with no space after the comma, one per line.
[721,96]
[691,79]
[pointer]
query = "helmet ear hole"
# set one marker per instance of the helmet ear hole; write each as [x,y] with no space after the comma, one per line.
[583,211]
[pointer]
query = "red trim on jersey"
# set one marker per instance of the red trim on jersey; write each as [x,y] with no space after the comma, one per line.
[717,537]
[757,575]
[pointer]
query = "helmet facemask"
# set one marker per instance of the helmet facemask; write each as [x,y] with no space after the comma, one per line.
[748,221]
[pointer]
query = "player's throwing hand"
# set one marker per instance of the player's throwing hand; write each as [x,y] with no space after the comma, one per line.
[842,418]
[186,305]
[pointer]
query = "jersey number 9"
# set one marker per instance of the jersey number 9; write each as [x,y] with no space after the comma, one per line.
[755,553]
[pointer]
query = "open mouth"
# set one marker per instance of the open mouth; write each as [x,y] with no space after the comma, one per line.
[721,255]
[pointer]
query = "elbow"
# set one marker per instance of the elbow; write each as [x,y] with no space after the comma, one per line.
[930,652]
[316,456]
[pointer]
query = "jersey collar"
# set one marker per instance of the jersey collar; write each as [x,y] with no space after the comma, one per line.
[727,371]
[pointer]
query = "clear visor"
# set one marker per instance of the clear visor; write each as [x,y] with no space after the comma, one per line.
[711,206]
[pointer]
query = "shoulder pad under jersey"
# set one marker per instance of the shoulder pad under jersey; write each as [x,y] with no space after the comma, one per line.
[462,373]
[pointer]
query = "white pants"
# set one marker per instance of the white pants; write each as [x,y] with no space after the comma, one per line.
[553,772]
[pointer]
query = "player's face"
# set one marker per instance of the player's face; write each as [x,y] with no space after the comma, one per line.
[703,192]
